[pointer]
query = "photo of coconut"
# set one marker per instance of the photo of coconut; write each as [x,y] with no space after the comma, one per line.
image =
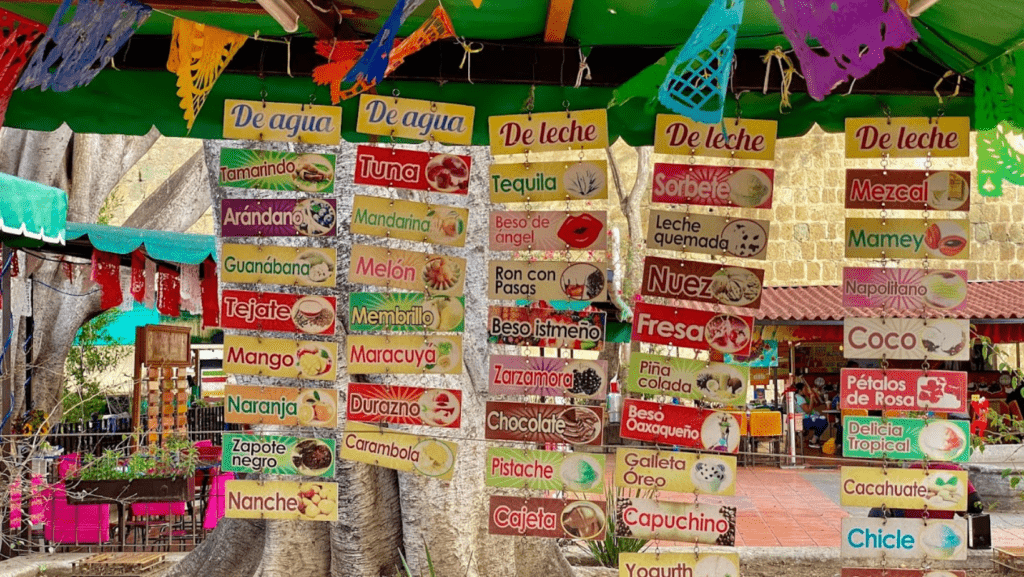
[944,337]
[313,173]
[583,281]
[313,315]
[749,187]
[721,384]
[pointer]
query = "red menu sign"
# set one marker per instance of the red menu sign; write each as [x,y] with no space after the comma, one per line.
[693,329]
[555,518]
[288,313]
[908,189]
[679,425]
[712,185]
[401,168]
[702,281]
[368,403]
[537,423]
[903,390]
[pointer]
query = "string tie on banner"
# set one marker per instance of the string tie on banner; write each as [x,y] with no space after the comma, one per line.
[469,49]
[584,71]
[786,68]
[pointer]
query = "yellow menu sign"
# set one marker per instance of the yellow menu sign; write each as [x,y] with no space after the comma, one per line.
[284,265]
[936,489]
[314,360]
[409,220]
[415,119]
[288,500]
[676,471]
[743,138]
[400,451]
[288,406]
[913,137]
[282,121]
[575,130]
[404,354]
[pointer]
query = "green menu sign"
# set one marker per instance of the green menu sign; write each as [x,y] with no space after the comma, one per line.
[276,170]
[406,312]
[907,439]
[278,455]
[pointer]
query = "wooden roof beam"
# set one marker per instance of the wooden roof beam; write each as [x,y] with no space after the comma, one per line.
[558,21]
[321,24]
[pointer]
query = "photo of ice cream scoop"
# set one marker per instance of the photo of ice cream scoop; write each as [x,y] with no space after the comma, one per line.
[946,239]
[941,541]
[580,472]
[942,441]
[749,187]
[446,313]
[711,475]
[583,520]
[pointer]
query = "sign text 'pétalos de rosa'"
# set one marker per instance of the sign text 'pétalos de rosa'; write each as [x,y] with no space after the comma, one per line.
[908,238]
[397,269]
[547,376]
[542,517]
[702,281]
[675,471]
[908,137]
[549,131]
[932,489]
[312,217]
[276,170]
[281,265]
[918,539]
[679,425]
[278,455]
[287,406]
[539,326]
[282,121]
[314,360]
[289,313]
[665,564]
[707,234]
[406,312]
[548,230]
[903,390]
[284,500]
[900,338]
[373,445]
[906,439]
[548,181]
[413,169]
[415,119]
[544,470]
[651,374]
[540,423]
[743,138]
[908,189]
[368,354]
[691,328]
[409,220]
[369,403]
[547,280]
[638,518]
[909,289]
[712,185]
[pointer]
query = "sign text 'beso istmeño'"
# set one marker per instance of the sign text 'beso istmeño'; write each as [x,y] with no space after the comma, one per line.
[415,119]
[900,338]
[538,326]
[903,390]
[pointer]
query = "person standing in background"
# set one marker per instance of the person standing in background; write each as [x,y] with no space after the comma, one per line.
[809,403]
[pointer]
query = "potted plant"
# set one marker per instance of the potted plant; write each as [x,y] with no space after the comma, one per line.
[156,473]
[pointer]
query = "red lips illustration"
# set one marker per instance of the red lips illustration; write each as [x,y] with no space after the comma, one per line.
[580,231]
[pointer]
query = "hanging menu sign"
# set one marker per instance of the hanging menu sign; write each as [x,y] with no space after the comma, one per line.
[899,338]
[680,425]
[682,564]
[290,313]
[315,360]
[888,572]
[903,390]
[399,451]
[415,119]
[397,269]
[907,238]
[287,406]
[276,170]
[539,423]
[934,489]
[687,379]
[707,234]
[404,405]
[704,330]
[277,455]
[549,131]
[282,265]
[906,439]
[908,137]
[544,470]
[704,282]
[908,189]
[279,217]
[541,517]
[547,376]
[369,354]
[712,185]
[896,538]
[547,280]
[285,500]
[546,327]
[549,181]
[408,220]
[406,312]
[743,138]
[413,169]
[548,230]
[691,522]
[905,289]
[282,121]
[676,471]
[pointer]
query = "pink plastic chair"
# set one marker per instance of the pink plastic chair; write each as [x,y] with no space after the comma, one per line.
[215,506]
[74,524]
[68,464]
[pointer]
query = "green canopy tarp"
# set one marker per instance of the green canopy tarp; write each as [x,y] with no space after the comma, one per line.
[173,247]
[30,212]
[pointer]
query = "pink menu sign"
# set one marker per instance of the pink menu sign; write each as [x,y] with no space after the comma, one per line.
[904,288]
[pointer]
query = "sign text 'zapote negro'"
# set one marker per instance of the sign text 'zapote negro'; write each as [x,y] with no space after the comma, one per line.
[278,455]
[546,327]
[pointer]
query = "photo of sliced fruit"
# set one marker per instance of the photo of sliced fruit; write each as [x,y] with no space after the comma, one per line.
[448,173]
[321,267]
[447,226]
[942,441]
[946,239]
[316,409]
[314,360]
[442,274]
[439,408]
[313,173]
[435,458]
[727,333]
[449,354]
[447,313]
